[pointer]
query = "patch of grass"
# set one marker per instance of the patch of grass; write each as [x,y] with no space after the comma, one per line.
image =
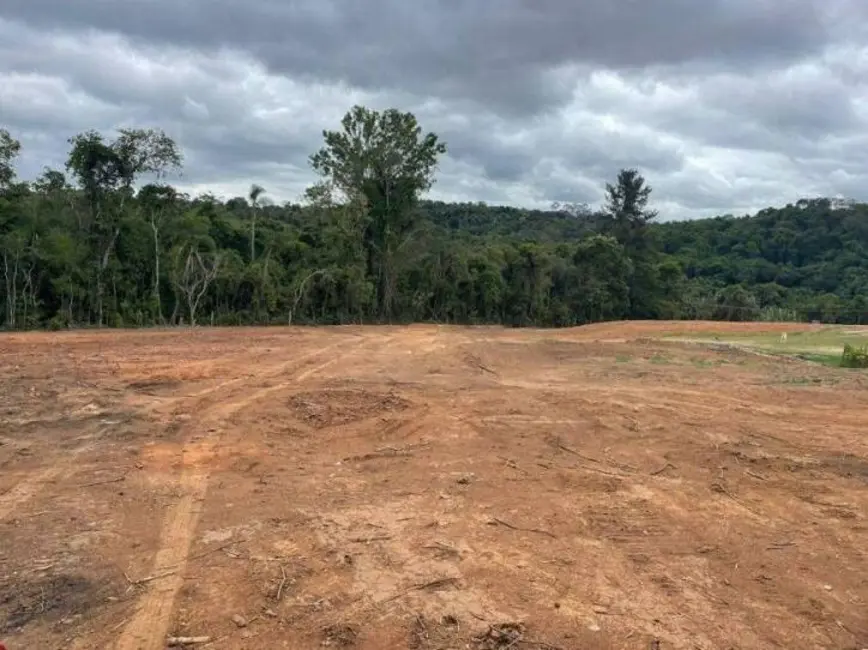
[699,362]
[807,380]
[832,360]
[833,336]
[802,381]
[660,359]
[822,345]
[623,358]
[825,339]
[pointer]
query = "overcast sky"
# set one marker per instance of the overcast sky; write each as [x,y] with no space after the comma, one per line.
[724,105]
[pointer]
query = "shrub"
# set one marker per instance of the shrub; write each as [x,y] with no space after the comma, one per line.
[57,323]
[855,357]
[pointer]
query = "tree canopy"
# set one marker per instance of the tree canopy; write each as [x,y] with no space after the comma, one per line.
[109,241]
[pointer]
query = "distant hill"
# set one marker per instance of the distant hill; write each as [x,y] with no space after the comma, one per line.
[810,257]
[482,220]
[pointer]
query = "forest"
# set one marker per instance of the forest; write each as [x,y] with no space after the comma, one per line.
[108,241]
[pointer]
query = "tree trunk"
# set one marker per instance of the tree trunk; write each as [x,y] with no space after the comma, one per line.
[101,267]
[11,290]
[8,300]
[191,309]
[27,286]
[253,237]
[299,292]
[156,230]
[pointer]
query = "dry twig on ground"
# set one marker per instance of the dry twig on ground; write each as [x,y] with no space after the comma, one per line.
[176,641]
[105,482]
[439,582]
[657,472]
[495,522]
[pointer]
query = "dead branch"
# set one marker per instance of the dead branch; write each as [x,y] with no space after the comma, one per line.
[495,521]
[175,641]
[600,471]
[388,449]
[156,576]
[476,362]
[175,567]
[485,368]
[717,487]
[282,583]
[657,472]
[443,548]
[509,462]
[510,635]
[503,635]
[374,455]
[105,482]
[569,450]
[30,515]
[755,475]
[439,582]
[777,546]
[370,538]
[199,556]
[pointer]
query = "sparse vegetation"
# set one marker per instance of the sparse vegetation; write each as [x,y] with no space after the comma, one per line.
[854,357]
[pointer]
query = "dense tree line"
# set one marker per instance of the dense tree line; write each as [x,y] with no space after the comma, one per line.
[807,261]
[108,241]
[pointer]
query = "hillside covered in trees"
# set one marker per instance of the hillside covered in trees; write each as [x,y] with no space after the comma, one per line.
[109,241]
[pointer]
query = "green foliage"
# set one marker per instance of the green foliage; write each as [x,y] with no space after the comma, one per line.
[111,242]
[384,160]
[735,303]
[854,357]
[9,150]
[809,259]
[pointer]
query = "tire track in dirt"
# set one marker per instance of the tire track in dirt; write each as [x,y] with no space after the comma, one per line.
[272,372]
[148,628]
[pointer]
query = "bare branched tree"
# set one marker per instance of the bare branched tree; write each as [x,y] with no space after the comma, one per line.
[194,276]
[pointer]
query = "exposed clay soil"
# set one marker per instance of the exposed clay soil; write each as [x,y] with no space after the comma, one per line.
[429,488]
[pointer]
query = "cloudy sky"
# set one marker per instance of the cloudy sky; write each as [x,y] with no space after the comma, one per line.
[724,105]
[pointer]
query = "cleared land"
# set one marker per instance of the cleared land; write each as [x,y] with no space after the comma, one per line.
[430,488]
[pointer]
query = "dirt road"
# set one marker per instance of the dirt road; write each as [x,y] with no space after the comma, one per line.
[428,488]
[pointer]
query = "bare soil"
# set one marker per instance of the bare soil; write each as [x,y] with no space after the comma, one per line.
[429,488]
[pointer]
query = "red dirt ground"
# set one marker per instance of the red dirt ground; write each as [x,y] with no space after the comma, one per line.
[428,488]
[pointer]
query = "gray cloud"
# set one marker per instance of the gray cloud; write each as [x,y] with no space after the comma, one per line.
[449,45]
[725,105]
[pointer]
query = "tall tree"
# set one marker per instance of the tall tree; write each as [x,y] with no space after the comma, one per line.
[106,172]
[159,203]
[256,191]
[626,210]
[194,271]
[385,158]
[13,240]
[627,218]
